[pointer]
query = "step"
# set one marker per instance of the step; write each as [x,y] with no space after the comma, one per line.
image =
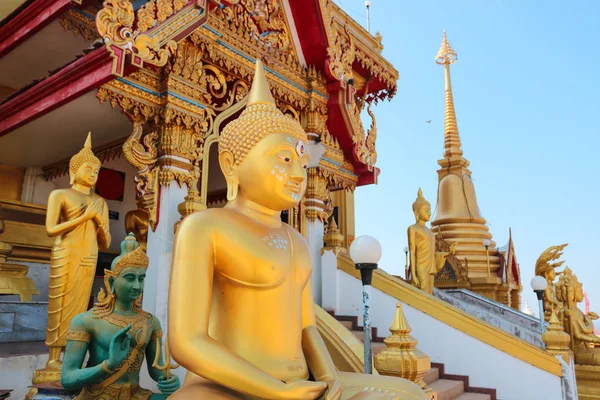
[347,324]
[447,389]
[473,396]
[432,375]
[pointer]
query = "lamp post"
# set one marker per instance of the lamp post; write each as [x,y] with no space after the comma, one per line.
[539,285]
[365,251]
[487,244]
[406,264]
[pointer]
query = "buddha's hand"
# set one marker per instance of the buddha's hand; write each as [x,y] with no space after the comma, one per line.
[119,348]
[334,390]
[94,209]
[303,390]
[168,385]
[592,315]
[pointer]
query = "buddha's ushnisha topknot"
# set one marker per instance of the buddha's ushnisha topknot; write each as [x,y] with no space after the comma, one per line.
[260,118]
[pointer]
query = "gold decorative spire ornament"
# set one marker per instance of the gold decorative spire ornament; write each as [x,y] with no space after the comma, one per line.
[457,212]
[445,57]
[334,240]
[401,357]
[556,339]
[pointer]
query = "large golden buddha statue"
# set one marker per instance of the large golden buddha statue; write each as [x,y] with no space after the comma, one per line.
[241,311]
[78,219]
[425,262]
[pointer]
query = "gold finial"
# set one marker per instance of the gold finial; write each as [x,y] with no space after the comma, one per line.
[446,54]
[556,339]
[401,357]
[452,146]
[259,92]
[419,202]
[333,238]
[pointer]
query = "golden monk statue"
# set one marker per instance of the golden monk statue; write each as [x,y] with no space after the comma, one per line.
[78,218]
[569,291]
[241,311]
[425,262]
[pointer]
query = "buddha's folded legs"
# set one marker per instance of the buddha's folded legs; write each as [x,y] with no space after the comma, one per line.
[354,386]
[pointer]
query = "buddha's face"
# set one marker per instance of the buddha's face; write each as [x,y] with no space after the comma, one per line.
[129,285]
[87,174]
[273,173]
[424,213]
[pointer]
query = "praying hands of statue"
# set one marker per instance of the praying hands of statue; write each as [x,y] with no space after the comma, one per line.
[119,348]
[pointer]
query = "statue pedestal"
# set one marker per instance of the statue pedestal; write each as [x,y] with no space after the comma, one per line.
[50,391]
[588,381]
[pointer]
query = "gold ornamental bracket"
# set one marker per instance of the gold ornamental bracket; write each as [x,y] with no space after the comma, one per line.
[149,35]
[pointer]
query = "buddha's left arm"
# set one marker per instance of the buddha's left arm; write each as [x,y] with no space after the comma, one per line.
[103,231]
[316,354]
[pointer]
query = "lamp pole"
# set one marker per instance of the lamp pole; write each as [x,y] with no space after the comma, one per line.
[406,264]
[539,285]
[365,251]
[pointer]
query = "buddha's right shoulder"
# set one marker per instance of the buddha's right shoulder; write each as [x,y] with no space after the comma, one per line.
[206,220]
[60,192]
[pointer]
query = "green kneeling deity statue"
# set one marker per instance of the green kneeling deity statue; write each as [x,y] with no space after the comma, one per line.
[118,334]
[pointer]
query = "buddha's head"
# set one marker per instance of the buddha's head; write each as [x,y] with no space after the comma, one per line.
[125,279]
[84,166]
[263,153]
[568,289]
[421,208]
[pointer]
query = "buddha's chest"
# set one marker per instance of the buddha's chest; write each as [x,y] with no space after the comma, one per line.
[267,260]
[424,236]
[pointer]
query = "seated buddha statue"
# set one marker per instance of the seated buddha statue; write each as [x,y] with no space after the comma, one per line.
[117,334]
[241,311]
[425,262]
[569,291]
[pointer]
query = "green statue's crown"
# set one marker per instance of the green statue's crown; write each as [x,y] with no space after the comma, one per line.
[131,255]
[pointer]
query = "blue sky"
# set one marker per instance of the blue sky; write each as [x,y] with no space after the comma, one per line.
[526,91]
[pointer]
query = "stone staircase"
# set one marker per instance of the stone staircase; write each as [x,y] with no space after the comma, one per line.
[447,386]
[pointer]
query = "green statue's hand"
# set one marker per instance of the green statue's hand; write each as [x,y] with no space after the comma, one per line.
[168,385]
[119,348]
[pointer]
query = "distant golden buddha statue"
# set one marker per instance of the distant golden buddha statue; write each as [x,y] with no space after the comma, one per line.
[136,222]
[78,218]
[241,311]
[425,262]
[577,324]
[546,268]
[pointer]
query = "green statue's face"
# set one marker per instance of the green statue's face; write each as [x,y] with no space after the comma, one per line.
[129,285]
[87,174]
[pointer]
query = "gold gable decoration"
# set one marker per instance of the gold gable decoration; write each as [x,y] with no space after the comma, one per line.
[453,270]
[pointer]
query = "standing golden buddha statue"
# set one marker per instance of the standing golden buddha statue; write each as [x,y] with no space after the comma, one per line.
[425,262]
[241,311]
[78,218]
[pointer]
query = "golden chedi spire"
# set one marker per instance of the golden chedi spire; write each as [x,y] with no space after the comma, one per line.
[457,217]
[401,358]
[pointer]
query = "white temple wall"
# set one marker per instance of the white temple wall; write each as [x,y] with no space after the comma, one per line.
[462,354]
